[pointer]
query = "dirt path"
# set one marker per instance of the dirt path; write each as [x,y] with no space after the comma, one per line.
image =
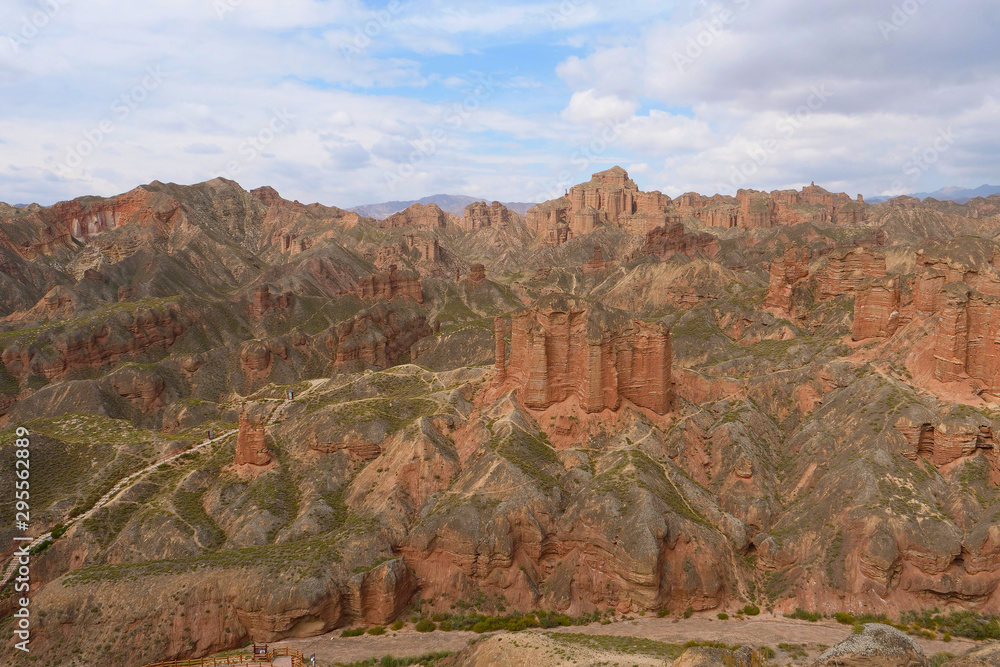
[759,631]
[126,483]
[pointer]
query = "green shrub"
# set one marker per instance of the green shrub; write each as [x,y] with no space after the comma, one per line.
[844,618]
[765,652]
[398,625]
[723,616]
[662,613]
[688,612]
[804,615]
[353,632]
[751,610]
[376,630]
[58,531]
[858,628]
[426,625]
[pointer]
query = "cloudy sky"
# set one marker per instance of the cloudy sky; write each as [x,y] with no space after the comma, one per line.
[347,102]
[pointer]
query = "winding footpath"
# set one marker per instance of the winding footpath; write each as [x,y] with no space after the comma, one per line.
[127,482]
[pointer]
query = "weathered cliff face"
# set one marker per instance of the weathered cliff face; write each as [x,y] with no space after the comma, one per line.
[784,272]
[429,216]
[876,309]
[596,263]
[379,335]
[752,209]
[391,284]
[565,346]
[846,269]
[123,335]
[966,344]
[663,242]
[264,302]
[479,215]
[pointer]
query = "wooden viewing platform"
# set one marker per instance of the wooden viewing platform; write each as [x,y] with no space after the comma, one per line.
[262,659]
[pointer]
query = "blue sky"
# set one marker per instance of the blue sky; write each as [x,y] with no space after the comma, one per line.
[346,102]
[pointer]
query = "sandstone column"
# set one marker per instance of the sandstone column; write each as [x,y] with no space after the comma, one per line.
[500,350]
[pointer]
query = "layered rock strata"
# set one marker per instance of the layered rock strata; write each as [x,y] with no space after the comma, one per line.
[565,346]
[251,448]
[390,284]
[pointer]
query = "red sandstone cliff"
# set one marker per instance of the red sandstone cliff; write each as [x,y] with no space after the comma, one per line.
[565,346]
[391,284]
[422,216]
[479,215]
[251,449]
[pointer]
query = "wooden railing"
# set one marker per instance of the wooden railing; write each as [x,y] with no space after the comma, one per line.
[243,660]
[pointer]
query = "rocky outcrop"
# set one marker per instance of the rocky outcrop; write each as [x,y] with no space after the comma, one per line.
[876,309]
[263,301]
[610,197]
[257,357]
[421,216]
[144,390]
[596,263]
[251,448]
[946,439]
[124,335]
[479,215]
[966,344]
[564,346]
[791,267]
[390,284]
[380,595]
[664,242]
[877,645]
[846,268]
[477,274]
[379,335]
[427,248]
[752,209]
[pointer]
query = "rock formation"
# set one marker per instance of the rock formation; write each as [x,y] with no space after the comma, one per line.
[477,274]
[784,272]
[565,346]
[429,216]
[479,216]
[391,284]
[967,343]
[846,269]
[877,645]
[610,197]
[379,335]
[251,449]
[663,242]
[428,248]
[263,301]
[596,263]
[876,309]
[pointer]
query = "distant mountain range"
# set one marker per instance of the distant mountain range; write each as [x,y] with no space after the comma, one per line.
[449,203]
[955,194]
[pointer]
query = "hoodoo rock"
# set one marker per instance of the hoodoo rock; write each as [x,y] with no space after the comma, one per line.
[876,309]
[263,302]
[390,284]
[567,346]
[251,448]
[785,271]
[428,249]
